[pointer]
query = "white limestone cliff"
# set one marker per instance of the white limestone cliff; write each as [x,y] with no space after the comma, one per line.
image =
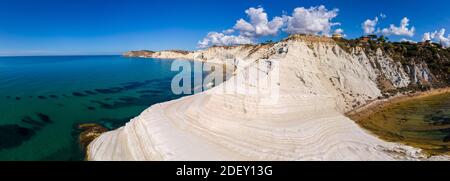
[318,82]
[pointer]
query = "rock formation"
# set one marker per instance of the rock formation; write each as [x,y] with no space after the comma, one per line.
[318,81]
[88,133]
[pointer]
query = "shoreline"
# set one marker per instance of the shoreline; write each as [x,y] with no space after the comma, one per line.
[376,105]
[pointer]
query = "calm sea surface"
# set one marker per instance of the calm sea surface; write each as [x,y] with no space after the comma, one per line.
[420,122]
[43,99]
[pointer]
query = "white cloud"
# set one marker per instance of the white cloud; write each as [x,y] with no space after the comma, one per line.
[248,32]
[229,31]
[220,39]
[407,40]
[369,25]
[259,24]
[440,37]
[339,31]
[426,37]
[402,30]
[445,41]
[315,20]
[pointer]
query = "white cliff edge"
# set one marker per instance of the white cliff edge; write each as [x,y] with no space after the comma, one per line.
[318,83]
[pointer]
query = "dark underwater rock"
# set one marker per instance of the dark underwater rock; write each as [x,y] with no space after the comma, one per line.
[31,121]
[90,92]
[77,94]
[102,104]
[44,118]
[150,92]
[14,135]
[113,90]
[125,87]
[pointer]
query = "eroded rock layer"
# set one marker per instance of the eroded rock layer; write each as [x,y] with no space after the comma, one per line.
[316,83]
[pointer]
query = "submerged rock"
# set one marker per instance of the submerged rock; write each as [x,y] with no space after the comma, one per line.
[31,121]
[54,96]
[45,118]
[113,90]
[77,94]
[90,92]
[14,135]
[88,133]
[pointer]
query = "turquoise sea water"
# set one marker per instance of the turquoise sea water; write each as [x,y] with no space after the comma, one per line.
[43,99]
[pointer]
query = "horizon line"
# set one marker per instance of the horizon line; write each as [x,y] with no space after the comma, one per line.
[68,55]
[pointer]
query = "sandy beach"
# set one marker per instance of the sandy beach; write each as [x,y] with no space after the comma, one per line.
[376,105]
[399,119]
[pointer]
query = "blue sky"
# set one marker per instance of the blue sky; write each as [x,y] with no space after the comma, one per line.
[59,27]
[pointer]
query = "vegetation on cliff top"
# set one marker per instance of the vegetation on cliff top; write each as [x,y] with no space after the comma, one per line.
[409,54]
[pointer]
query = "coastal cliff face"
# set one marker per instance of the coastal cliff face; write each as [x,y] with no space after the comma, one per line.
[318,82]
[172,54]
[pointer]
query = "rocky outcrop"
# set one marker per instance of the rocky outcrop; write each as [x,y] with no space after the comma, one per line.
[316,81]
[88,133]
[142,54]
[168,54]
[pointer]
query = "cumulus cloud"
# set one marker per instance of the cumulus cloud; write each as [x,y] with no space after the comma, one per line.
[339,31]
[383,16]
[426,37]
[407,40]
[402,30]
[369,25]
[220,39]
[248,31]
[315,20]
[259,24]
[438,36]
[229,31]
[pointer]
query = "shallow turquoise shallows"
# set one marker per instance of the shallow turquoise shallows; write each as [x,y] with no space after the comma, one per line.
[43,99]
